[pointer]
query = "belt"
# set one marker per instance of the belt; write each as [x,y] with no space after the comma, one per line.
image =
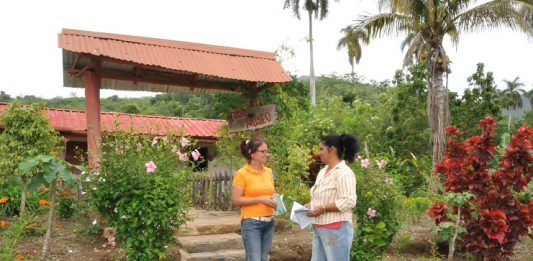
[264,219]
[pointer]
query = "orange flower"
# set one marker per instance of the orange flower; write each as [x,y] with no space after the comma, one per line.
[3,224]
[3,200]
[28,193]
[54,153]
[19,257]
[43,202]
[30,226]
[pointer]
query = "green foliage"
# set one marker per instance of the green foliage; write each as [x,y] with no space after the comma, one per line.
[27,133]
[446,230]
[49,169]
[66,205]
[143,202]
[415,207]
[480,100]
[12,234]
[411,173]
[4,97]
[12,193]
[408,130]
[377,211]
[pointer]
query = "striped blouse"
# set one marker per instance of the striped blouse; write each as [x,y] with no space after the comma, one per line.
[338,186]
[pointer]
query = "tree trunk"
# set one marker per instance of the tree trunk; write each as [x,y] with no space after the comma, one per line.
[23,197]
[451,247]
[439,118]
[312,90]
[509,122]
[50,220]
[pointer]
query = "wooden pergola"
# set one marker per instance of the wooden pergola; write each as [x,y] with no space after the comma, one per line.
[95,61]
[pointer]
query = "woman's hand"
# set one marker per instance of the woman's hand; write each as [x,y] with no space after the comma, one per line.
[316,211]
[267,201]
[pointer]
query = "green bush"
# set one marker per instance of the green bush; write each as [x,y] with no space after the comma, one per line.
[141,190]
[378,203]
[11,194]
[66,205]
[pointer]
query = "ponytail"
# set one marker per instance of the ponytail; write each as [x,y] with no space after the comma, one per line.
[345,144]
[250,146]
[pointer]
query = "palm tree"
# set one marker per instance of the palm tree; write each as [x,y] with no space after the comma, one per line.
[351,40]
[427,22]
[512,95]
[320,9]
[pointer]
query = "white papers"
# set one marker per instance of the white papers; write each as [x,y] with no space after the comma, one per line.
[299,215]
[281,207]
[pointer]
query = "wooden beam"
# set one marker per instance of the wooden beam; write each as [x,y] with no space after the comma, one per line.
[167,79]
[92,82]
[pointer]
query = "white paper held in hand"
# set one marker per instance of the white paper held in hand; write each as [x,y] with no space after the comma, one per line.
[299,215]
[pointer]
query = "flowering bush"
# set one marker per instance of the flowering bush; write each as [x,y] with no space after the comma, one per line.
[141,190]
[10,200]
[378,199]
[494,218]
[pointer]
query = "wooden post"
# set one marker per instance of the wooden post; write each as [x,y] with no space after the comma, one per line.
[92,82]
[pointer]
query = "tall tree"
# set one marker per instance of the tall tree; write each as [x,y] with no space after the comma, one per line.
[318,8]
[428,22]
[351,40]
[512,96]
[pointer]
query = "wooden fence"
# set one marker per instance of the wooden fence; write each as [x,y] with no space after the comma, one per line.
[212,191]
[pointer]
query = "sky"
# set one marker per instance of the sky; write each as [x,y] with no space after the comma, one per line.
[31,60]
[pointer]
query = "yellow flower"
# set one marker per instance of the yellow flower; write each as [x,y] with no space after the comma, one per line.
[3,200]
[28,193]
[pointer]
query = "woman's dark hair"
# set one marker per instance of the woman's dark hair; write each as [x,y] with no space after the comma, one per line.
[250,146]
[346,145]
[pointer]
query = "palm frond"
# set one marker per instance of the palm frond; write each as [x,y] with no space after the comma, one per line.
[294,5]
[351,40]
[416,44]
[385,24]
[493,14]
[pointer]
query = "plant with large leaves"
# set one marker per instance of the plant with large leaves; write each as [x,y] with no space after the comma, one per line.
[50,171]
[427,23]
[27,133]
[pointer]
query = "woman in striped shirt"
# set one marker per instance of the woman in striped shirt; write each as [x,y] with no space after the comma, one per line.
[332,199]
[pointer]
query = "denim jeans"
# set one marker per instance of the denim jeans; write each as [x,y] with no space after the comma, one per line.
[257,238]
[332,244]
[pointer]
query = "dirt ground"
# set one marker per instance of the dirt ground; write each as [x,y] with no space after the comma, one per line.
[70,241]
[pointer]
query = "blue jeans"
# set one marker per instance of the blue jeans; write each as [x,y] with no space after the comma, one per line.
[257,238]
[332,244]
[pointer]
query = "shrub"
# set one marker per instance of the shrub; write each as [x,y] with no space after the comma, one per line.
[378,202]
[494,218]
[27,133]
[66,204]
[10,200]
[141,190]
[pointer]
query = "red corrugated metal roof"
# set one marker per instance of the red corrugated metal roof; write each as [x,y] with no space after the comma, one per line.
[64,120]
[211,60]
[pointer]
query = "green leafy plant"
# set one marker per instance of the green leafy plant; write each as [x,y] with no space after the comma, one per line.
[51,171]
[27,133]
[66,205]
[377,209]
[141,189]
[10,197]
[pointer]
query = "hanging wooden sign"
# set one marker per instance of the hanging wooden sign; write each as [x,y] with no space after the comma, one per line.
[252,118]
